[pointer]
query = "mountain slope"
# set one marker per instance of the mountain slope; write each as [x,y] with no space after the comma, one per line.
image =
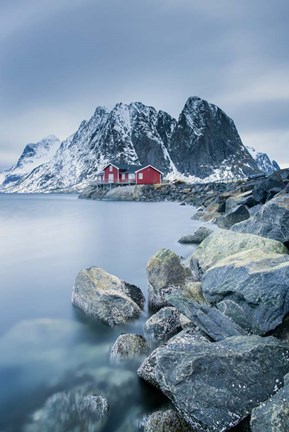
[202,144]
[206,142]
[32,156]
[263,161]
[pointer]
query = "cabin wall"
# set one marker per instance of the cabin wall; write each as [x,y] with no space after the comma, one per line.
[150,176]
[107,172]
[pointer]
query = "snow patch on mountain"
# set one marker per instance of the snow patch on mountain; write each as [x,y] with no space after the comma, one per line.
[263,161]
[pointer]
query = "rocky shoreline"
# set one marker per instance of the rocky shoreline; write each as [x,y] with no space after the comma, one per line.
[217,344]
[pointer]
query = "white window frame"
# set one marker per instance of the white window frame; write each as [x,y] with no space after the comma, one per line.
[123,176]
[140,176]
[110,168]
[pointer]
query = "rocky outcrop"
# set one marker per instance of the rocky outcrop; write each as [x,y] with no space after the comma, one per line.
[238,214]
[215,385]
[271,221]
[165,273]
[209,319]
[164,421]
[197,237]
[161,326]
[272,415]
[222,244]
[105,297]
[71,411]
[251,287]
[127,347]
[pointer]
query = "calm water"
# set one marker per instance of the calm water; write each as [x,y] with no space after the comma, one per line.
[46,345]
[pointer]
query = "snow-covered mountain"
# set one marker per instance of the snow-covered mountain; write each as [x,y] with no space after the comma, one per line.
[202,145]
[32,156]
[263,161]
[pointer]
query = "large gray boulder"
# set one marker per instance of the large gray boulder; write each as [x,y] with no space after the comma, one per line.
[271,221]
[165,273]
[251,287]
[215,385]
[209,319]
[127,347]
[273,415]
[164,421]
[223,243]
[71,411]
[161,326]
[198,236]
[105,297]
[238,214]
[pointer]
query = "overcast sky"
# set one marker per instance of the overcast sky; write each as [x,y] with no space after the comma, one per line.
[59,59]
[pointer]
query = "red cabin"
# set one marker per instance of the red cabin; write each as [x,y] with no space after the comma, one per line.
[129,174]
[148,175]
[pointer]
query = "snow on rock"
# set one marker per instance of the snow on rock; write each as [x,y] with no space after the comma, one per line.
[263,161]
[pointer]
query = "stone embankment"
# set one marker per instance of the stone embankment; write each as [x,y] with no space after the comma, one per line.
[217,345]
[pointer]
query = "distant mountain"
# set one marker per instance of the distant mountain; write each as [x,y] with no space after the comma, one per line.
[32,156]
[263,161]
[203,145]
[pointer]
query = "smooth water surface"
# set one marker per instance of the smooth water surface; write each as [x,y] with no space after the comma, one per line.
[45,343]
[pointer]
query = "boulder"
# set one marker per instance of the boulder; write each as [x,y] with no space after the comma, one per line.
[197,237]
[209,319]
[71,411]
[128,346]
[164,421]
[165,273]
[251,287]
[222,244]
[238,214]
[273,415]
[105,297]
[244,198]
[272,221]
[215,385]
[161,326]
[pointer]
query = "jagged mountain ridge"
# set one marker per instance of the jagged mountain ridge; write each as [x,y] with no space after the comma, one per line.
[263,161]
[202,144]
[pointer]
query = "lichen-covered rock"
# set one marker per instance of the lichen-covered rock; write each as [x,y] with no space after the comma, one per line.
[161,326]
[251,287]
[197,237]
[165,273]
[238,214]
[164,421]
[223,243]
[71,411]
[271,221]
[273,415]
[128,346]
[215,385]
[105,297]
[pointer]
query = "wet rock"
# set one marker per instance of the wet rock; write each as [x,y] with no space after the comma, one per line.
[161,326]
[215,385]
[165,273]
[105,297]
[197,237]
[128,346]
[71,411]
[251,287]
[273,414]
[164,421]
[209,319]
[272,221]
[222,244]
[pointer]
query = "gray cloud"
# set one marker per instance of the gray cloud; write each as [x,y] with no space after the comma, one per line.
[60,59]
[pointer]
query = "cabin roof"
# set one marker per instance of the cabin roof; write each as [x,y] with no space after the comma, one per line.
[141,168]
